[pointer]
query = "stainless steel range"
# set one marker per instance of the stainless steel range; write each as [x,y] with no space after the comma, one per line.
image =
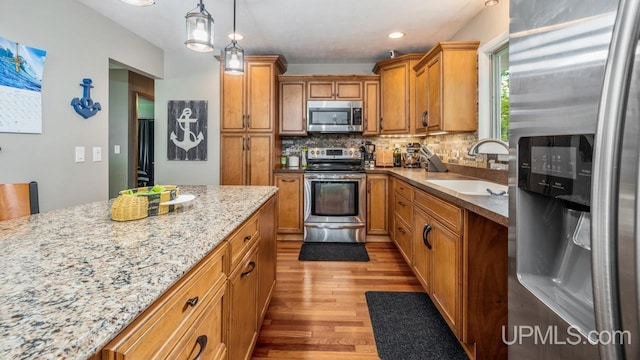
[334,196]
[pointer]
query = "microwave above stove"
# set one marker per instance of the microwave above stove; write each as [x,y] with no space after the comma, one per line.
[334,116]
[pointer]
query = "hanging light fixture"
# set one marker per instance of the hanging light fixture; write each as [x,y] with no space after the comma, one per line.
[234,54]
[199,29]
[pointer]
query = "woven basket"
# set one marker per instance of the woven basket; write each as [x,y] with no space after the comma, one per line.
[139,200]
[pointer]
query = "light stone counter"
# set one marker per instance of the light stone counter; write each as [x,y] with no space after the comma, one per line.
[72,279]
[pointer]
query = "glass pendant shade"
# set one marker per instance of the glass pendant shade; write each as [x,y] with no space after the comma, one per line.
[234,59]
[199,29]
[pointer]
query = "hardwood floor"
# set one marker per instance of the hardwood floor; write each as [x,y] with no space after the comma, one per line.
[319,311]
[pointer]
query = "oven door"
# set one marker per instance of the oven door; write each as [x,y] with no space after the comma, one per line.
[334,207]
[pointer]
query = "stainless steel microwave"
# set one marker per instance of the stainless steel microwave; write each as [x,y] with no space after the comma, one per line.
[334,116]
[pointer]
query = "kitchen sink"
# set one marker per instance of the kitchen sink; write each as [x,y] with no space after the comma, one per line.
[472,187]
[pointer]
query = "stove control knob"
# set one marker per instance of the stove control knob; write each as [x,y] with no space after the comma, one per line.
[357,153]
[350,152]
[322,152]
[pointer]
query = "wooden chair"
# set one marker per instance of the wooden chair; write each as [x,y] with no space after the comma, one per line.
[18,200]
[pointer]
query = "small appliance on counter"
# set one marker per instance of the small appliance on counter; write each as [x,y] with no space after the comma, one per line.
[369,154]
[411,157]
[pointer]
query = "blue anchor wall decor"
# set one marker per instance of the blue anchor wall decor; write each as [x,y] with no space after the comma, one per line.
[85,106]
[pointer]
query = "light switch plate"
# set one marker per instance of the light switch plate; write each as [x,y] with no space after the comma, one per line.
[97,153]
[79,153]
[116,149]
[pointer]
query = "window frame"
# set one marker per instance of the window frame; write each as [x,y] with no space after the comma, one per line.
[485,118]
[496,92]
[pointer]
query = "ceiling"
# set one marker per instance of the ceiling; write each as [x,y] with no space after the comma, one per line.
[304,31]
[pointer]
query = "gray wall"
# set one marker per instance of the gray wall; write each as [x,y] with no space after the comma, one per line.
[79,43]
[118,131]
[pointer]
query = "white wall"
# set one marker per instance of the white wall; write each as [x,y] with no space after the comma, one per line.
[79,43]
[118,130]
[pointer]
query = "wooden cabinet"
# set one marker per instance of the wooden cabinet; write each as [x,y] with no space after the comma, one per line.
[293,105]
[397,94]
[243,324]
[422,100]
[422,246]
[162,328]
[267,255]
[334,89]
[246,158]
[451,73]
[291,186]
[377,216]
[371,110]
[403,219]
[247,121]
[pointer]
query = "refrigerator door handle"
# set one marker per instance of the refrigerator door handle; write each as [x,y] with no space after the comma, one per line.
[606,163]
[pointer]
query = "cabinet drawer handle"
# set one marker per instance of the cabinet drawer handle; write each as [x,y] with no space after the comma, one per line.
[425,233]
[202,341]
[248,121]
[248,142]
[246,273]
[247,238]
[381,123]
[288,180]
[401,203]
[193,301]
[243,117]
[424,119]
[401,230]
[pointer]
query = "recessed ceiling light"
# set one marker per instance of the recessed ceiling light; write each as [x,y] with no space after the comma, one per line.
[490,2]
[235,36]
[396,35]
[139,2]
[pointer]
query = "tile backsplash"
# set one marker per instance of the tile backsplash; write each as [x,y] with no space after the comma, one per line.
[451,148]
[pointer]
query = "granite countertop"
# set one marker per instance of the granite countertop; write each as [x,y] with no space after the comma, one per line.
[73,278]
[494,208]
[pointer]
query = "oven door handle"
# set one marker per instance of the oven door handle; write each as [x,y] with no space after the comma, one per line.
[343,177]
[336,226]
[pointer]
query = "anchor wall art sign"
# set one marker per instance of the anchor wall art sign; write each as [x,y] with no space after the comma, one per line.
[187,130]
[84,105]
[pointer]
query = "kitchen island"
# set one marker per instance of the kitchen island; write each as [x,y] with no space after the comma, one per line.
[72,279]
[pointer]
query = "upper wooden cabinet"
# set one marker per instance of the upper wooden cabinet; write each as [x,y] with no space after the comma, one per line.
[448,74]
[397,94]
[293,105]
[371,123]
[249,100]
[330,89]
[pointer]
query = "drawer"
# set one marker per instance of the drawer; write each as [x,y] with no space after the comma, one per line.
[242,240]
[447,213]
[158,328]
[403,189]
[207,338]
[403,208]
[402,237]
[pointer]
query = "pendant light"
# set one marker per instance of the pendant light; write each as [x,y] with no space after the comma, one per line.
[234,54]
[199,29]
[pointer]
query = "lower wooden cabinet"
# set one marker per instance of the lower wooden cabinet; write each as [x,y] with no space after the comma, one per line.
[243,323]
[422,263]
[291,187]
[267,255]
[377,213]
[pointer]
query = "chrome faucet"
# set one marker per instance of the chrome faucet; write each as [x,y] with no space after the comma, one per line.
[473,150]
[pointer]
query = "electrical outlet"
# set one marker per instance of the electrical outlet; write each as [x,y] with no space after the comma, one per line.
[116,149]
[79,153]
[97,153]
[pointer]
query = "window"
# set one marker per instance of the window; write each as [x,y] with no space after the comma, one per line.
[500,93]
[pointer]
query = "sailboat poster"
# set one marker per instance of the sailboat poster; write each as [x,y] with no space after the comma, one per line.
[21,70]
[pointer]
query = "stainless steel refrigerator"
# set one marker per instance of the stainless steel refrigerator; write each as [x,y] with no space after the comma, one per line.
[574,168]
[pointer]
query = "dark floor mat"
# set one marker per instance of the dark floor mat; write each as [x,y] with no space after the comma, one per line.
[333,252]
[407,326]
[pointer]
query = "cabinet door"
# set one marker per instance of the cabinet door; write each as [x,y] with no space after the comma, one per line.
[291,188]
[390,202]
[293,117]
[232,159]
[260,96]
[421,248]
[267,254]
[446,288]
[434,78]
[232,95]
[371,108]
[395,99]
[377,187]
[243,285]
[348,90]
[421,100]
[207,338]
[320,90]
[259,159]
